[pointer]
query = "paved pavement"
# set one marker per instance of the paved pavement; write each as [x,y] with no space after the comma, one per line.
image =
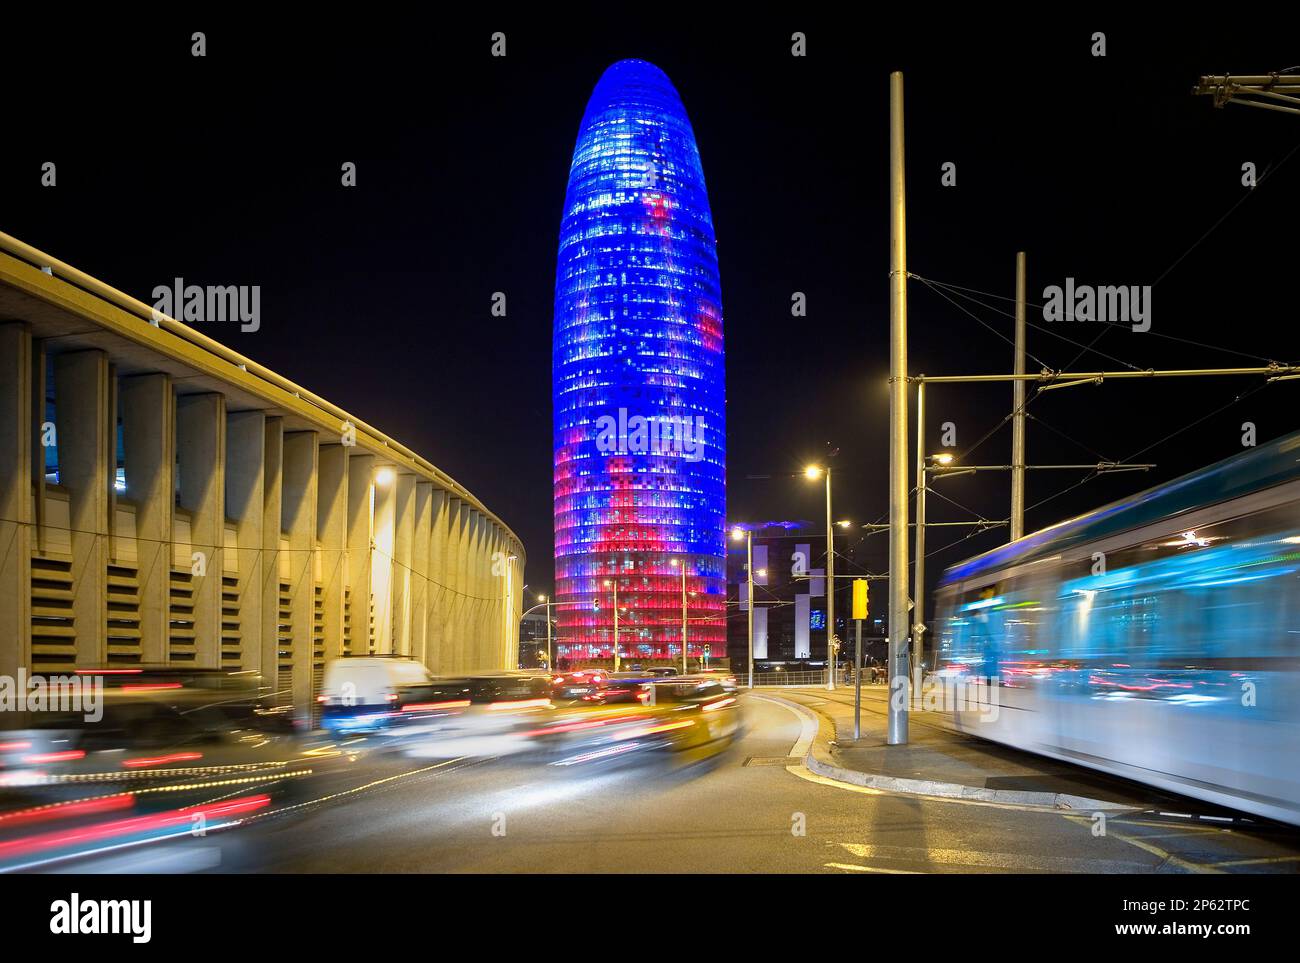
[755,809]
[937,760]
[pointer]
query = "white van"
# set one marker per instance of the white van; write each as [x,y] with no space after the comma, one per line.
[362,693]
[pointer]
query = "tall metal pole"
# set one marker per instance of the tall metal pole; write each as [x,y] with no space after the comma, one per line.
[1018,410]
[615,584]
[857,685]
[918,589]
[685,670]
[749,576]
[898,614]
[550,661]
[830,587]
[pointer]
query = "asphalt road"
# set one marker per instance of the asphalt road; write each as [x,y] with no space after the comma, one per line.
[750,810]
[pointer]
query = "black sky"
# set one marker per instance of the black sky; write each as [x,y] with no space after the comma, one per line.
[225,170]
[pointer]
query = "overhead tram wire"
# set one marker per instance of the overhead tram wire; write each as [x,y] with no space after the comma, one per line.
[1091,347]
[1272,169]
[1173,434]
[1052,428]
[1038,390]
[968,312]
[935,285]
[957,289]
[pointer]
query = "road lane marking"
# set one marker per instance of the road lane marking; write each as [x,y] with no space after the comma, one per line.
[351,792]
[803,772]
[1162,854]
[1012,862]
[1263,860]
[874,869]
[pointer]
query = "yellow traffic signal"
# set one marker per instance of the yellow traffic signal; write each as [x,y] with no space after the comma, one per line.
[859,598]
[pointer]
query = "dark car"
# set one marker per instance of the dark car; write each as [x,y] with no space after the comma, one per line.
[578,683]
[622,688]
[690,718]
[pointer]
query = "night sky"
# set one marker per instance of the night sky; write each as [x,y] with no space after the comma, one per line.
[226,170]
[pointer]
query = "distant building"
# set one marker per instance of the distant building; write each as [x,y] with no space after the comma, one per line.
[790,614]
[638,384]
[532,640]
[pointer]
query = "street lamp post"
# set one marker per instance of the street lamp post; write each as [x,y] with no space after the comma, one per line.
[682,566]
[543,600]
[550,663]
[748,536]
[814,471]
[922,486]
[614,583]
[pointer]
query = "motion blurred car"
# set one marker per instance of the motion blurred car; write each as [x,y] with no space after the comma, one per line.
[366,693]
[156,754]
[723,677]
[624,687]
[472,715]
[691,718]
[578,683]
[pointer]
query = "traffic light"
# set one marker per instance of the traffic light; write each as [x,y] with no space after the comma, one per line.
[859,598]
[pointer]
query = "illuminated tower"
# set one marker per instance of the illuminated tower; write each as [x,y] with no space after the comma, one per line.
[638,382]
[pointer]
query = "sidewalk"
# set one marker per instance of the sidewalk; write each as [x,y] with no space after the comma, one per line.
[940,762]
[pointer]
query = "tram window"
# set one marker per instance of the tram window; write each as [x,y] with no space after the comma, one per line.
[1213,593]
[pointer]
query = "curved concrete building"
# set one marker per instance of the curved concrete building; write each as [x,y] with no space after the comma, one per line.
[639,386]
[167,502]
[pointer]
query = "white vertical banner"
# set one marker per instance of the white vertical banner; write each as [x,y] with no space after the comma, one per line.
[802,641]
[801,561]
[760,633]
[760,564]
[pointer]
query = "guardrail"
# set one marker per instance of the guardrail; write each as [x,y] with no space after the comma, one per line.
[790,680]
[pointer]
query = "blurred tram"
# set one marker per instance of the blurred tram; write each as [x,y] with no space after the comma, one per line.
[1156,638]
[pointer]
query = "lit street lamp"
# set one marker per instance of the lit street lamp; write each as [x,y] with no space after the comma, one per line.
[737,534]
[543,600]
[813,472]
[614,584]
[549,662]
[677,564]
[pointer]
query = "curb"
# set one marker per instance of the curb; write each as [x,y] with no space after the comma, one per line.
[932,787]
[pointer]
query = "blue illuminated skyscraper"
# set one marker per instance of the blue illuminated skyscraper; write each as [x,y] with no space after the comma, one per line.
[639,387]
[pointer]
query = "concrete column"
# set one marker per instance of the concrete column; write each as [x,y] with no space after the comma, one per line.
[438,593]
[246,507]
[86,460]
[478,588]
[38,387]
[298,515]
[112,467]
[493,611]
[505,618]
[149,450]
[403,556]
[517,602]
[382,570]
[361,473]
[500,572]
[17,450]
[332,534]
[201,462]
[420,584]
[453,635]
[272,511]
[466,640]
